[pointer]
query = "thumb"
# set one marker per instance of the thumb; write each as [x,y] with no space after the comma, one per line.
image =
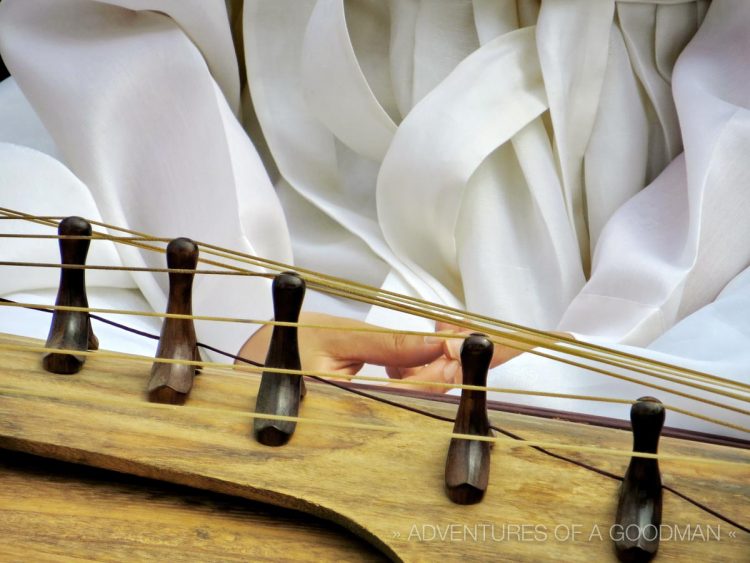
[442,370]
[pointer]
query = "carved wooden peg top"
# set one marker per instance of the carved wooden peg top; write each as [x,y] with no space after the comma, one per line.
[476,355]
[74,251]
[467,466]
[647,420]
[288,291]
[182,254]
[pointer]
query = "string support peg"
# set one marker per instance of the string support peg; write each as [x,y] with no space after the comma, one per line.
[279,393]
[640,504]
[171,382]
[71,330]
[467,466]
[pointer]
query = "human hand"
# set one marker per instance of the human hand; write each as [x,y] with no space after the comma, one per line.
[345,351]
[501,354]
[452,346]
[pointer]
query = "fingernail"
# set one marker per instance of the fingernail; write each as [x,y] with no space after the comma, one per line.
[450,371]
[432,340]
[454,348]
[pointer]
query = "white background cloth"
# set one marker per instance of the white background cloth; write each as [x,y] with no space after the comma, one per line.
[571,164]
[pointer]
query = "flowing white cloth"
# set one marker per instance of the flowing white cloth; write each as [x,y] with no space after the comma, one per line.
[570,164]
[136,115]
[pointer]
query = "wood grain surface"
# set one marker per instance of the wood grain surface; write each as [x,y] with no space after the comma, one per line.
[55,511]
[387,487]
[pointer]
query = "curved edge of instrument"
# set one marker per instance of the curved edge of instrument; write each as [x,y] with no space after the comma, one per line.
[195,481]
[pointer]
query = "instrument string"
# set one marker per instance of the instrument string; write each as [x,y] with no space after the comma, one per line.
[515,342]
[99,236]
[384,298]
[511,442]
[446,419]
[101,267]
[528,346]
[231,371]
[101,399]
[394,403]
[462,315]
[379,297]
[525,344]
[445,385]
[128,241]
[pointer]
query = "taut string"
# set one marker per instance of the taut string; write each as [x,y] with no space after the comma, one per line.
[229,370]
[514,341]
[133,269]
[503,441]
[375,296]
[439,417]
[362,393]
[376,330]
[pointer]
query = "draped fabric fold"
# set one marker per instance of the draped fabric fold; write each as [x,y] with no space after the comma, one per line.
[672,247]
[335,87]
[573,39]
[205,23]
[420,197]
[162,165]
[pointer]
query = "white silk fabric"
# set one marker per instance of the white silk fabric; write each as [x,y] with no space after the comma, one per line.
[566,164]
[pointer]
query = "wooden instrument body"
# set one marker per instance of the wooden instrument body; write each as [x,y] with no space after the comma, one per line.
[55,511]
[385,486]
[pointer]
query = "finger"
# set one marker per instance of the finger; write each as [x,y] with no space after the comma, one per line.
[395,372]
[451,344]
[399,372]
[442,370]
[384,349]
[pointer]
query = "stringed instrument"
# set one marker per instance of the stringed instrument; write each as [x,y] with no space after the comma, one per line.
[400,470]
